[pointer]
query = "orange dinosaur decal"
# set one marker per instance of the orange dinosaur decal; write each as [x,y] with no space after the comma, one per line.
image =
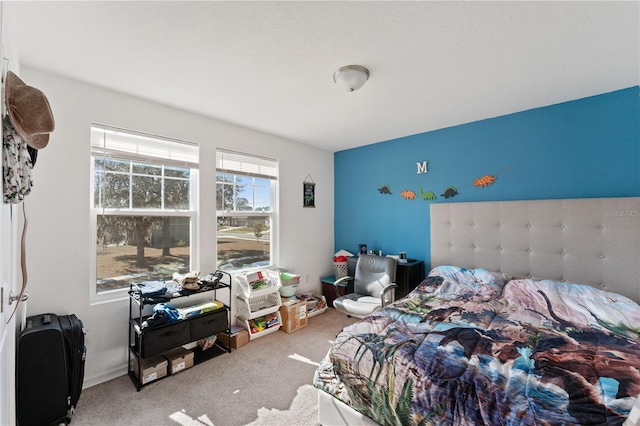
[485,180]
[408,195]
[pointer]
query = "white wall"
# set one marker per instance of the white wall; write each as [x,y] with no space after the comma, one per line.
[58,243]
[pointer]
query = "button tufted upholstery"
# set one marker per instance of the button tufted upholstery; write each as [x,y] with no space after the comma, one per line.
[594,241]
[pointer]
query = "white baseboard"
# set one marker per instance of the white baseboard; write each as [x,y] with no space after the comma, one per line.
[109,375]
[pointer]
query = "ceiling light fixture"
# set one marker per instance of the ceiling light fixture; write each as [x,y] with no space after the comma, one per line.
[351,77]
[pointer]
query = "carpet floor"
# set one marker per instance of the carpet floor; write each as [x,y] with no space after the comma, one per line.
[267,382]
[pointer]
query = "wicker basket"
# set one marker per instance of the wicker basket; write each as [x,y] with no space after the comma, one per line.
[341,269]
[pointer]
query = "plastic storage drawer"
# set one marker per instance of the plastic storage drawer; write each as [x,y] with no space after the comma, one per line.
[208,324]
[258,306]
[275,326]
[164,338]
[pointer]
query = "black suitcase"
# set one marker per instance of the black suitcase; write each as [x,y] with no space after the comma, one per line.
[49,369]
[73,331]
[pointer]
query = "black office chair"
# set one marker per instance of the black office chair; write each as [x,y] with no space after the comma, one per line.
[373,288]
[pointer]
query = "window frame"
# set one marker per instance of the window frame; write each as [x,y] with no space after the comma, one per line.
[96,297]
[273,212]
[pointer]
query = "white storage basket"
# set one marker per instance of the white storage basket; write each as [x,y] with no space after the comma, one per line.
[318,310]
[259,305]
[248,287]
[246,324]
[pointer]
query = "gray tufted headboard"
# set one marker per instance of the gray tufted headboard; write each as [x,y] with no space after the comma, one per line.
[593,241]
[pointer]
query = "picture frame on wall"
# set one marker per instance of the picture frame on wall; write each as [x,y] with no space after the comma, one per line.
[308,192]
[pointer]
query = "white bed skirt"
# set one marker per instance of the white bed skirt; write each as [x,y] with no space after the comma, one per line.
[333,412]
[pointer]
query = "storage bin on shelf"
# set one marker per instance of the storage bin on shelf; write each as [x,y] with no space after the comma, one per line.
[257,306]
[258,303]
[315,304]
[252,284]
[261,326]
[152,368]
[287,282]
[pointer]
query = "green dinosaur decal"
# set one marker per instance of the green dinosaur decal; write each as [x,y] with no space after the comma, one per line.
[427,195]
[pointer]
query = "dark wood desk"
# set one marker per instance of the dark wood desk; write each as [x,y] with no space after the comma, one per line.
[408,276]
[329,290]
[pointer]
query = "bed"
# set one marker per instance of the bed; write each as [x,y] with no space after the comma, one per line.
[528,317]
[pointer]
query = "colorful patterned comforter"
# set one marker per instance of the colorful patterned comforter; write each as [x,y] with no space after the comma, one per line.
[468,348]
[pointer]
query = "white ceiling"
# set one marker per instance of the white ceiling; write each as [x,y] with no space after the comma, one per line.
[268,65]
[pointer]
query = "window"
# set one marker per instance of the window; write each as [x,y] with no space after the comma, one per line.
[143,207]
[246,187]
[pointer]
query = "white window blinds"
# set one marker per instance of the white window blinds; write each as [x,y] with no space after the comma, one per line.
[127,145]
[245,164]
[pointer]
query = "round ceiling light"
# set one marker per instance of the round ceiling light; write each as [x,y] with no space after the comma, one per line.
[351,77]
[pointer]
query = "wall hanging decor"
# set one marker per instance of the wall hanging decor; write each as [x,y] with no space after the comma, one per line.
[407,194]
[308,192]
[449,192]
[422,167]
[485,180]
[384,189]
[488,180]
[427,195]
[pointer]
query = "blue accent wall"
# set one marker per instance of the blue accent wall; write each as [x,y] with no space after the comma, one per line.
[580,149]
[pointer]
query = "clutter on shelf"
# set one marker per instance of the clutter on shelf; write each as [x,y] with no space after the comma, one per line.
[288,282]
[164,313]
[156,291]
[256,283]
[315,304]
[199,309]
[263,323]
[207,342]
[188,281]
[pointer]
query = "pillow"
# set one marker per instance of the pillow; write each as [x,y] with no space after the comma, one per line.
[458,283]
[580,304]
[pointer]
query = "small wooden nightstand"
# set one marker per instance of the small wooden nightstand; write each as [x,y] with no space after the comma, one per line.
[408,276]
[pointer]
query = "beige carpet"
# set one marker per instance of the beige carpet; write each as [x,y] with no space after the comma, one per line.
[265,383]
[303,411]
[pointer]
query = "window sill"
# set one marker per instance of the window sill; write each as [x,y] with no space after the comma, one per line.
[234,272]
[109,297]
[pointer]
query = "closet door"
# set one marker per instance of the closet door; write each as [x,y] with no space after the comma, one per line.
[8,285]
